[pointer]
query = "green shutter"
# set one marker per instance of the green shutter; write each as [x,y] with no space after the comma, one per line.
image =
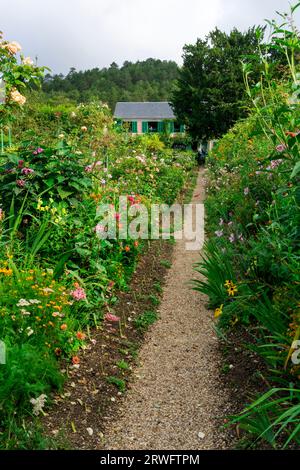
[134,127]
[160,127]
[172,127]
[182,128]
[145,127]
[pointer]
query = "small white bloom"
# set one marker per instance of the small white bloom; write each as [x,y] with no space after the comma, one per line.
[23,303]
[38,404]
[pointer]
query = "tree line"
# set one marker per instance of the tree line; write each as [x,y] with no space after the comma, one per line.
[207,92]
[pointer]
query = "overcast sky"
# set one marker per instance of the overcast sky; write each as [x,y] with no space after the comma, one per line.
[94,33]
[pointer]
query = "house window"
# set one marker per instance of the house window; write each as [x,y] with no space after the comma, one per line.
[152,127]
[177,127]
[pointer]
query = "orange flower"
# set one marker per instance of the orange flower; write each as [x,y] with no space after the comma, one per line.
[75,360]
[64,327]
[80,336]
[127,249]
[136,244]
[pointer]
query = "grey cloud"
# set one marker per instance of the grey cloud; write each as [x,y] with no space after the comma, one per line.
[94,33]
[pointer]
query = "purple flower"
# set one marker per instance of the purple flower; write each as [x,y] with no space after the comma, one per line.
[274,164]
[103,181]
[230,224]
[241,238]
[232,238]
[281,148]
[246,191]
[219,233]
[27,171]
[221,222]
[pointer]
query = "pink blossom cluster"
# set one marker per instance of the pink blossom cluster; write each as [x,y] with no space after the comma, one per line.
[38,151]
[27,171]
[78,294]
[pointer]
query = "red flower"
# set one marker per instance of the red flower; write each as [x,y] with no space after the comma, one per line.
[80,336]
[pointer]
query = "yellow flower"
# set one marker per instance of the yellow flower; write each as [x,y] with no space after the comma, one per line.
[6,271]
[219,311]
[232,291]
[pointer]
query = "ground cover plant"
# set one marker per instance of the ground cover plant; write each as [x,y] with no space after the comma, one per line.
[57,276]
[251,261]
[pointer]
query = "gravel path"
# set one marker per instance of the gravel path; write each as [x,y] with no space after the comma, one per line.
[176,401]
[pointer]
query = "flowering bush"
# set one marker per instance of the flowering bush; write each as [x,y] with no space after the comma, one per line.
[252,256]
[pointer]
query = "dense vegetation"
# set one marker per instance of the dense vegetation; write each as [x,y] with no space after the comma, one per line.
[251,261]
[149,80]
[210,96]
[57,272]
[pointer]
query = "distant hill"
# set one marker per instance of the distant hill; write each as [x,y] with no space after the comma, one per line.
[148,80]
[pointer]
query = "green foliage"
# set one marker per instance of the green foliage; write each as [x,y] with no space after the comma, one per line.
[148,80]
[119,383]
[144,321]
[210,95]
[251,261]
[60,161]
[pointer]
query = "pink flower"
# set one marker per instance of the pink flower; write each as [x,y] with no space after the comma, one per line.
[111,318]
[88,168]
[281,148]
[117,216]
[246,191]
[232,238]
[99,228]
[21,164]
[78,294]
[274,164]
[21,183]
[27,171]
[38,151]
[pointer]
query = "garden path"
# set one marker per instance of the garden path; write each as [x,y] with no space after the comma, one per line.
[176,401]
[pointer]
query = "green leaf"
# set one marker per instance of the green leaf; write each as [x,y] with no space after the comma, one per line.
[296,170]
[63,194]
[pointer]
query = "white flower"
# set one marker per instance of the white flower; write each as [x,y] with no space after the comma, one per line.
[24,312]
[38,404]
[34,301]
[90,431]
[27,61]
[23,303]
[29,331]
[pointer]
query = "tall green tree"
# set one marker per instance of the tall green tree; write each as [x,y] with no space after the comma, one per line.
[210,93]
